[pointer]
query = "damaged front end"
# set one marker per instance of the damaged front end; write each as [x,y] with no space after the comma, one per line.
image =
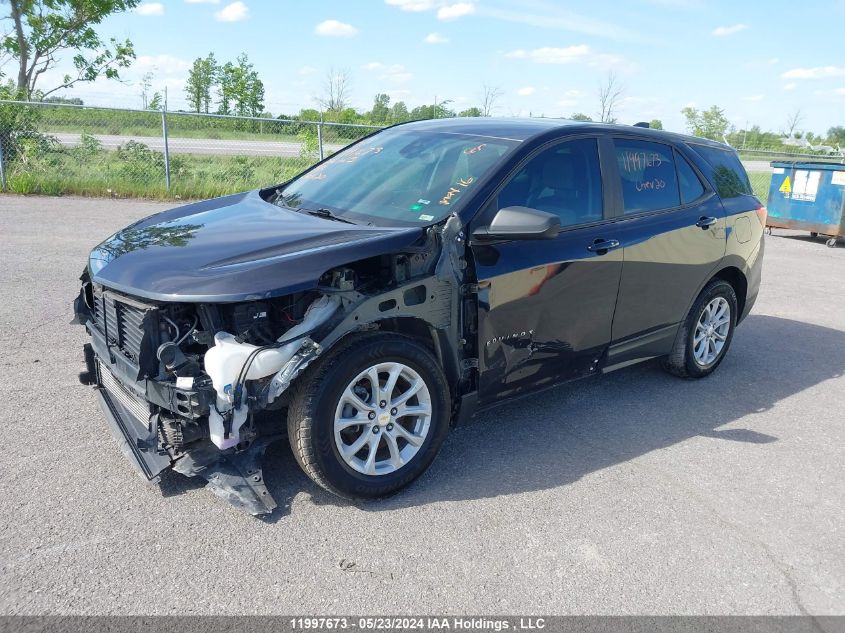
[201,387]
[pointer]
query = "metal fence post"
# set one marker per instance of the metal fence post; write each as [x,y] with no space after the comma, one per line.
[320,138]
[2,167]
[166,148]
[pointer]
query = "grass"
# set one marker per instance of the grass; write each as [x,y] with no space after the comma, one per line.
[180,125]
[141,175]
[760,181]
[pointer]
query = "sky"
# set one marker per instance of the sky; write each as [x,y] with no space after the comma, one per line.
[759,61]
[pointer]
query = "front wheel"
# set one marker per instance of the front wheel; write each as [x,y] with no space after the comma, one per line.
[706,333]
[370,417]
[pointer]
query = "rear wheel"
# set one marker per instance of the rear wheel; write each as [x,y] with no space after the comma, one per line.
[706,333]
[370,417]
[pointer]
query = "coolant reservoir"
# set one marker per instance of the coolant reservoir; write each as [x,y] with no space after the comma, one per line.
[224,361]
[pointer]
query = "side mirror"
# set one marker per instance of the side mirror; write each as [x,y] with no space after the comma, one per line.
[520,223]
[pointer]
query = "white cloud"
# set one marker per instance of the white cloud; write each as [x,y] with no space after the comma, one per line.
[567,102]
[774,60]
[836,92]
[754,98]
[817,72]
[560,19]
[573,93]
[551,55]
[790,86]
[455,11]
[203,1]
[307,70]
[569,55]
[722,31]
[396,73]
[150,8]
[435,38]
[412,5]
[334,28]
[166,64]
[526,91]
[234,12]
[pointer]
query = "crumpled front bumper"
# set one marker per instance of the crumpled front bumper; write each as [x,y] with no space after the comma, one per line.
[132,437]
[233,476]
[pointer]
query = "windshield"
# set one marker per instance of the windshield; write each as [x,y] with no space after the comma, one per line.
[397,177]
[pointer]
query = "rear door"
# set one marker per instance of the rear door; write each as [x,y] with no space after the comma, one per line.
[546,306]
[672,228]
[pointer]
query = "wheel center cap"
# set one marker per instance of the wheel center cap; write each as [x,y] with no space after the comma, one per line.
[384,418]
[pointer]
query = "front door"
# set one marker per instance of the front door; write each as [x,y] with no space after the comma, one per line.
[546,306]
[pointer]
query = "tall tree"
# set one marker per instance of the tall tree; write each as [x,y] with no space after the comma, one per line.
[399,112]
[241,91]
[146,85]
[489,96]
[474,111]
[202,77]
[793,121]
[836,135]
[712,123]
[42,30]
[381,108]
[610,94]
[656,124]
[336,89]
[579,116]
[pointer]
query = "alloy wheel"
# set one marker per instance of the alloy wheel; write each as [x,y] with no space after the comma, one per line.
[711,331]
[382,418]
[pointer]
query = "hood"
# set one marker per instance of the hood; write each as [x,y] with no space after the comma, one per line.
[235,248]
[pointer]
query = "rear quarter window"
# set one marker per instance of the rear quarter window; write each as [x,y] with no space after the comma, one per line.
[729,175]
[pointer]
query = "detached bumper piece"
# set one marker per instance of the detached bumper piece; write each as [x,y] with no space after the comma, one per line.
[238,479]
[137,442]
[234,477]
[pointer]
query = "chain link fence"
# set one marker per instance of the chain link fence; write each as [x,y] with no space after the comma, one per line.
[61,149]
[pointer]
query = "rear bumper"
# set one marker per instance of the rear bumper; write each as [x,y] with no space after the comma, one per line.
[753,277]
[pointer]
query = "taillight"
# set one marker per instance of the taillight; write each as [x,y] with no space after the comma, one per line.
[762,215]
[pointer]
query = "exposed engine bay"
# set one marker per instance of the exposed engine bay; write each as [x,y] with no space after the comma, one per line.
[201,387]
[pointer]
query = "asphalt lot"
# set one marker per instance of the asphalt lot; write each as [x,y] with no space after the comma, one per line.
[630,493]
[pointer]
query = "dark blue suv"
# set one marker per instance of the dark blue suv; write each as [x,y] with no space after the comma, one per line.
[427,271]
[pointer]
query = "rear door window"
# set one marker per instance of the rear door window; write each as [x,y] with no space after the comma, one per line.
[729,175]
[647,171]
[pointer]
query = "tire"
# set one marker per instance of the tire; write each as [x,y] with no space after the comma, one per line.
[684,361]
[321,396]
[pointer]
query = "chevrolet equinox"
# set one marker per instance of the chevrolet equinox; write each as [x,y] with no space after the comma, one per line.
[425,272]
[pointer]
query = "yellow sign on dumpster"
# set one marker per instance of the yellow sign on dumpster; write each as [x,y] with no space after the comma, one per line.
[786,187]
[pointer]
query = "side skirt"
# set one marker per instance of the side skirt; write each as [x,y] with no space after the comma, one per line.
[643,347]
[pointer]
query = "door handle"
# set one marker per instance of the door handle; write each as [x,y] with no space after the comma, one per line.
[602,246]
[705,222]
